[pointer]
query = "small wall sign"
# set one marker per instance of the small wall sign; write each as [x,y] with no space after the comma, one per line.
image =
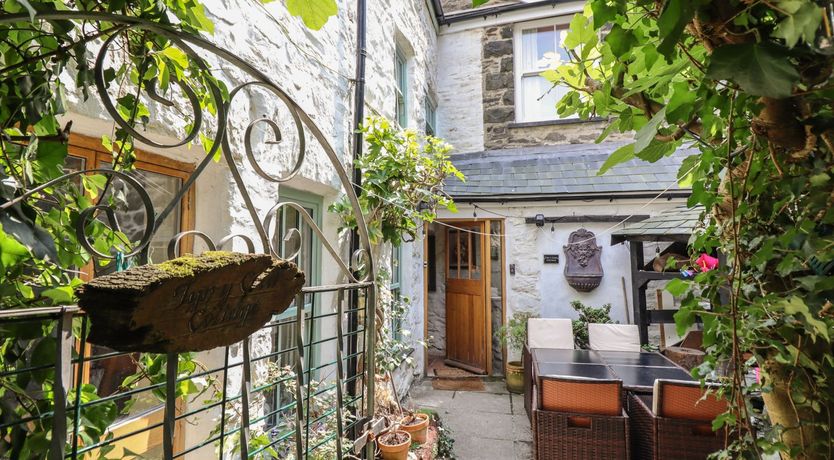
[189,303]
[551,258]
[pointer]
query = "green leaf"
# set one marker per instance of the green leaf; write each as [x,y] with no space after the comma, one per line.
[676,14]
[60,294]
[797,306]
[621,155]
[176,55]
[646,134]
[657,150]
[314,13]
[604,12]
[680,105]
[10,250]
[620,40]
[819,179]
[802,22]
[677,287]
[477,3]
[760,69]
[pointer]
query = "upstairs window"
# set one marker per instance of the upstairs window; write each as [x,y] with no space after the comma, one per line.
[401,87]
[539,45]
[431,117]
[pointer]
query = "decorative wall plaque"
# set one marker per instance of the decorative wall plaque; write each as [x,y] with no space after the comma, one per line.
[583,267]
[189,303]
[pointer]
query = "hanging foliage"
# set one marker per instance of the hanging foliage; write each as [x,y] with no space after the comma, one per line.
[402,181]
[747,83]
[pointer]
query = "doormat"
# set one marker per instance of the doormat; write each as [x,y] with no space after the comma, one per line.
[447,372]
[471,384]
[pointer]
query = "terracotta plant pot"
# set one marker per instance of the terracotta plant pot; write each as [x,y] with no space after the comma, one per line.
[515,377]
[394,451]
[418,428]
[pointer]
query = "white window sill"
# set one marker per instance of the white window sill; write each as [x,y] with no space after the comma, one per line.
[562,121]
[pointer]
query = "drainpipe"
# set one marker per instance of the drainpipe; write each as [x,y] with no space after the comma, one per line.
[358,116]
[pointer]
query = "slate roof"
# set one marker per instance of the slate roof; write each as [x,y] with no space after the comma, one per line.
[560,171]
[674,224]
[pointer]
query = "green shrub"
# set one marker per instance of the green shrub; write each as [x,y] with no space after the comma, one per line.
[588,315]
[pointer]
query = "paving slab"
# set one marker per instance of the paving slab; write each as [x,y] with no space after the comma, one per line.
[482,402]
[474,448]
[524,450]
[480,424]
[485,425]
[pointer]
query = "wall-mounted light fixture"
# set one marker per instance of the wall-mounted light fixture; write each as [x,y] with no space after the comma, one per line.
[539,220]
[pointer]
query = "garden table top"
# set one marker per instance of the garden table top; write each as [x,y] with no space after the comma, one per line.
[637,370]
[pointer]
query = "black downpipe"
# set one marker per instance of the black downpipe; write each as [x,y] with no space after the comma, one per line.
[358,117]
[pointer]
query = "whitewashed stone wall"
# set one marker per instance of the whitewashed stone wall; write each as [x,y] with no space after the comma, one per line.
[460,110]
[316,69]
[542,288]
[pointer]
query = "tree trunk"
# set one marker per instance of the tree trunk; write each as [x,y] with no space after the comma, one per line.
[799,429]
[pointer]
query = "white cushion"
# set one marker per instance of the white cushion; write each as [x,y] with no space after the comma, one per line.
[549,333]
[614,337]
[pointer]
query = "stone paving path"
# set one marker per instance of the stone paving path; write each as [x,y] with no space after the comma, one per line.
[485,425]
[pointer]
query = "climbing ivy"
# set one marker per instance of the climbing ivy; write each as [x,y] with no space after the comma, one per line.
[748,85]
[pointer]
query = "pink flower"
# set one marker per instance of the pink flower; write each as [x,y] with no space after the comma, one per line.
[706,262]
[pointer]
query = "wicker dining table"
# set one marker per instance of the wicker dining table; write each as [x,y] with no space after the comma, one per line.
[637,370]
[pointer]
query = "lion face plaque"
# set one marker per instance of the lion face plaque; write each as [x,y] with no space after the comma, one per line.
[583,267]
[189,303]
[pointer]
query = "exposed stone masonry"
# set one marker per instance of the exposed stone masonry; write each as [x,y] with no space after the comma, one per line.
[500,129]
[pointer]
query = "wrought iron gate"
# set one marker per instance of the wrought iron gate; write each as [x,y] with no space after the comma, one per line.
[328,402]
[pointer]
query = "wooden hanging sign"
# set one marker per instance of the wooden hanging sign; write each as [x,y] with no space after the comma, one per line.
[189,303]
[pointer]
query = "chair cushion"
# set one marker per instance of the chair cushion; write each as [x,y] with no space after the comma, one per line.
[549,333]
[686,400]
[582,396]
[614,337]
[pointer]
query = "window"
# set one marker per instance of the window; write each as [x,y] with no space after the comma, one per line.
[285,333]
[162,178]
[401,87]
[538,46]
[431,116]
[394,286]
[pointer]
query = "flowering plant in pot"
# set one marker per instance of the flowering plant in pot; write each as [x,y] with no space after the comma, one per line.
[513,335]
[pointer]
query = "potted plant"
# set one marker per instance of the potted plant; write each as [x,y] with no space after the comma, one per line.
[588,315]
[513,335]
[417,425]
[394,444]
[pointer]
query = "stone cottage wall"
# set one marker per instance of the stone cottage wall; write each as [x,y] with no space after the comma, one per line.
[316,68]
[460,66]
[541,288]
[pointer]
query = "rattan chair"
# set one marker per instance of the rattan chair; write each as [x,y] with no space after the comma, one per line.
[575,418]
[675,422]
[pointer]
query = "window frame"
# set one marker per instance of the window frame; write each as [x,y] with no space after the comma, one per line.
[395,287]
[401,87]
[93,153]
[431,116]
[519,73]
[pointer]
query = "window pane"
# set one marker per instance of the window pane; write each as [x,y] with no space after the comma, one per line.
[465,254]
[475,271]
[162,189]
[535,43]
[452,271]
[539,98]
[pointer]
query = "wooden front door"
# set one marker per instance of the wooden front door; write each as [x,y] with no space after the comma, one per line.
[467,341]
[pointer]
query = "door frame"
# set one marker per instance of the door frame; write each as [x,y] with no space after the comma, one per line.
[487,283]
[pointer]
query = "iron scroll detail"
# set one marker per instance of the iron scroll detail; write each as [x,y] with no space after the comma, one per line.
[583,264]
[246,78]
